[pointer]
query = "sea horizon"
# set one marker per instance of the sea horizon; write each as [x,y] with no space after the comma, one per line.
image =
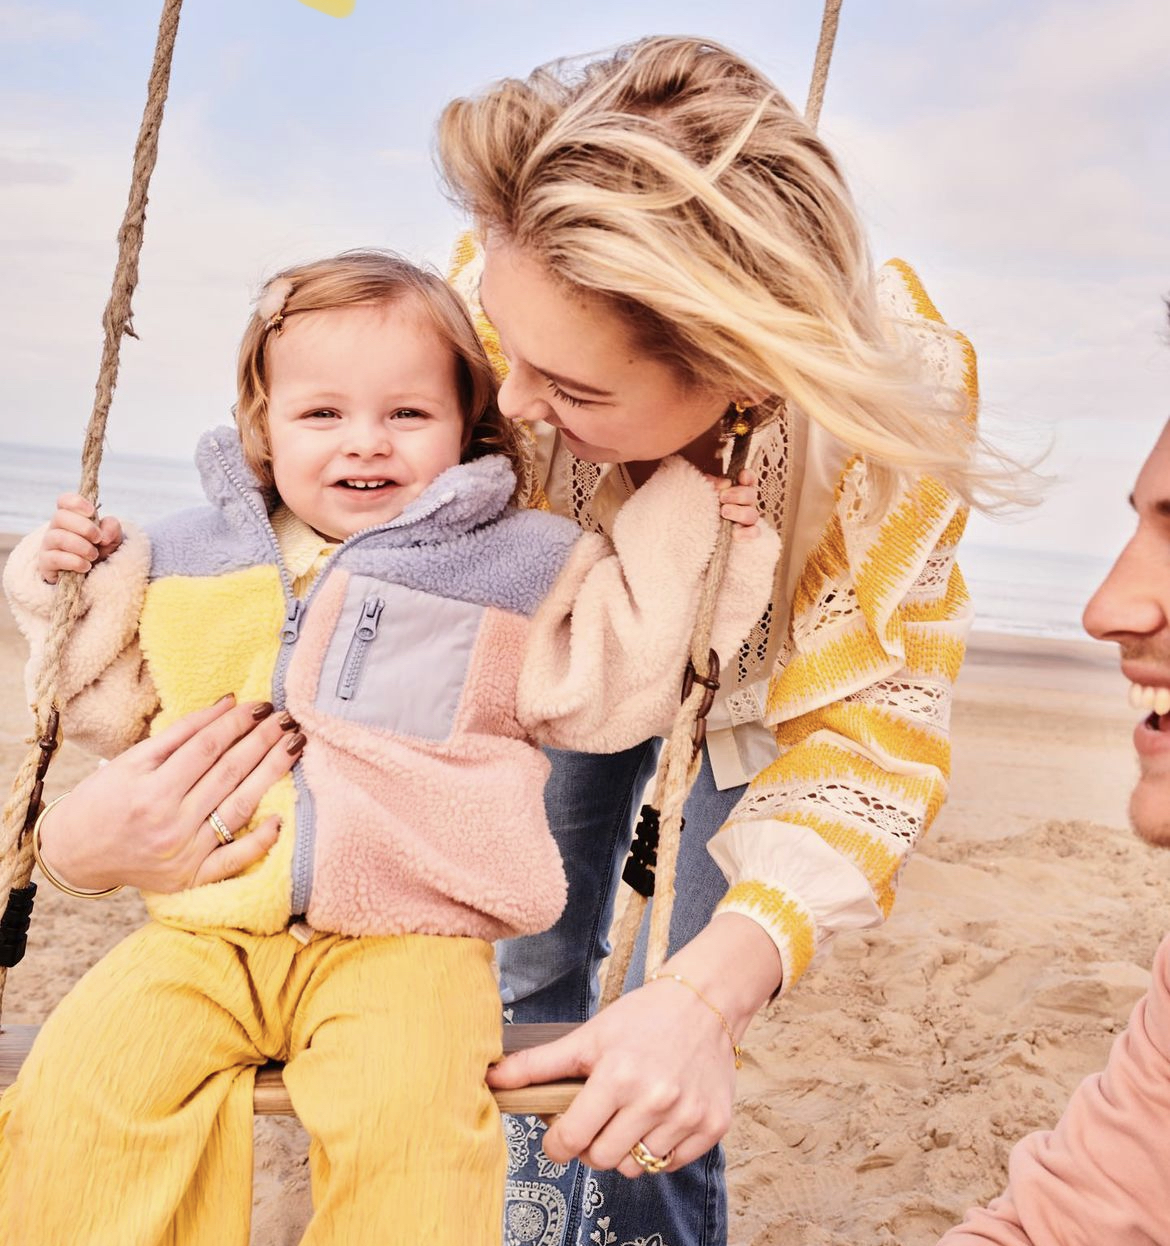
[1016,590]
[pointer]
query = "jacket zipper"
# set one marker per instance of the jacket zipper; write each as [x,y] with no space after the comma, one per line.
[295,610]
[359,644]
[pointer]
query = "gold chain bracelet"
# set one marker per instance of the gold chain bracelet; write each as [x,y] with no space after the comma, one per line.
[736,1049]
[60,884]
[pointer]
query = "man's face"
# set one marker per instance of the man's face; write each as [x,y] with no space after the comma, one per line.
[1132,607]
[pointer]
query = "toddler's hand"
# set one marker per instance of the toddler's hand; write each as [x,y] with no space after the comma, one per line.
[74,540]
[740,504]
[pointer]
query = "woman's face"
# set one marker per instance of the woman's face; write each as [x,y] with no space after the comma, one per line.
[573,364]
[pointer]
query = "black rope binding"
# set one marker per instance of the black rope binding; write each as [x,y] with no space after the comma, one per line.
[14,925]
[640,864]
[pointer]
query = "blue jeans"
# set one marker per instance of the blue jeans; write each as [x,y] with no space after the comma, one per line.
[553,977]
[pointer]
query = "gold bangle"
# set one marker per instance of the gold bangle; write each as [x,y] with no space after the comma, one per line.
[48,873]
[736,1049]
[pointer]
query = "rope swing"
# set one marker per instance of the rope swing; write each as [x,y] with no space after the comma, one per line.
[655,850]
[24,803]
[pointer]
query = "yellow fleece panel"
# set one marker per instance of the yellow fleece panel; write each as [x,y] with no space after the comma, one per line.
[149,1136]
[789,923]
[237,618]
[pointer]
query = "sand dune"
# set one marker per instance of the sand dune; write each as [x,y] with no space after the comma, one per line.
[882,1096]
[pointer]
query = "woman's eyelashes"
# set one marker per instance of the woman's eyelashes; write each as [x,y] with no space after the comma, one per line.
[560,395]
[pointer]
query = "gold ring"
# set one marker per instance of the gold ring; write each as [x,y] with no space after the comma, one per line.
[647,1160]
[220,827]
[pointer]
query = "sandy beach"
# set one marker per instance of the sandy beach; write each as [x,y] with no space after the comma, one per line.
[882,1096]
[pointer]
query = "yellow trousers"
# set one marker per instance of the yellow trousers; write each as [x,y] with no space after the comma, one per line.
[131,1122]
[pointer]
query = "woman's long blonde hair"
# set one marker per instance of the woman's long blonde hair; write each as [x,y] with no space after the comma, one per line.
[675,181]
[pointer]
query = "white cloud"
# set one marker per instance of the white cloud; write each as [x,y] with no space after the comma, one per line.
[33,23]
[16,172]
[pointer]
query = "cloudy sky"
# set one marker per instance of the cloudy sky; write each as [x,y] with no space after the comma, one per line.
[1016,152]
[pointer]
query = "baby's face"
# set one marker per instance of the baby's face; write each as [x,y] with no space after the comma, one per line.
[363,413]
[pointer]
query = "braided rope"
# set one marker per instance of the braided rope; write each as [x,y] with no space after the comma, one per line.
[677,771]
[820,73]
[16,859]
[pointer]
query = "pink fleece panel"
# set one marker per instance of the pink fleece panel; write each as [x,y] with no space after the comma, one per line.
[488,704]
[435,837]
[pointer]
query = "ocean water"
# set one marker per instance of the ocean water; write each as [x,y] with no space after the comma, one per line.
[1028,591]
[142,489]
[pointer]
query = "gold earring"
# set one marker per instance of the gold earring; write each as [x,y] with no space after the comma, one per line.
[739,426]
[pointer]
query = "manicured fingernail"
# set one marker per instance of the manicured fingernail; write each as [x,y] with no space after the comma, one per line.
[288,722]
[227,696]
[297,743]
[263,710]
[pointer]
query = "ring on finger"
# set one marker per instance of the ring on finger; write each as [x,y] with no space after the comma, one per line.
[220,827]
[647,1160]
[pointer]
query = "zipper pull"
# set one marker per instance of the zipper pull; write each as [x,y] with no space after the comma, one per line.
[367,626]
[292,622]
[364,631]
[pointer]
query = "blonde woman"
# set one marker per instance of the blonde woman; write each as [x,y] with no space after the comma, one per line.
[659,239]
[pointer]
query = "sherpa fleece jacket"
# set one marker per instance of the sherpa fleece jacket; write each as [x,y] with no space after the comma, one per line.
[425,660]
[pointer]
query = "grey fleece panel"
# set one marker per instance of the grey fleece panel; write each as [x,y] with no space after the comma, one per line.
[511,563]
[204,541]
[398,659]
[458,539]
[226,536]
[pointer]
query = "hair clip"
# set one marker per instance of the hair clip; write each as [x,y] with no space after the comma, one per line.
[270,305]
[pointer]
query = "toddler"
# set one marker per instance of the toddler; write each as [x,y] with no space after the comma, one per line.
[361,571]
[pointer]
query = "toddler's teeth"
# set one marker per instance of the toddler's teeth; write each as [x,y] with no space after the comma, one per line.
[1162,701]
[1135,696]
[1148,695]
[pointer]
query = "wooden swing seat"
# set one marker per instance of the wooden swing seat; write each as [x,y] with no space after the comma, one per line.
[271,1097]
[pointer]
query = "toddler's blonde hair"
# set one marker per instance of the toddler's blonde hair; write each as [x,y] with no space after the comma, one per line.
[371,277]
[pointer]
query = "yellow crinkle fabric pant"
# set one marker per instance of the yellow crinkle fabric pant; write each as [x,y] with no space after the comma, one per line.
[131,1122]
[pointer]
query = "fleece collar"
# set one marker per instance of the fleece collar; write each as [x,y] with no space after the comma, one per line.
[457,500]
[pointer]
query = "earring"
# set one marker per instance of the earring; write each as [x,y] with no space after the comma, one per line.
[738,419]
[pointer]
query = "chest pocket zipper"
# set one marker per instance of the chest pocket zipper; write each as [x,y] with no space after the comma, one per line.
[355,655]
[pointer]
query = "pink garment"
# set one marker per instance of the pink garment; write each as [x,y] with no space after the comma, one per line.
[1102,1176]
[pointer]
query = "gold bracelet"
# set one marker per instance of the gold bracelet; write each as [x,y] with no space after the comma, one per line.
[736,1049]
[48,873]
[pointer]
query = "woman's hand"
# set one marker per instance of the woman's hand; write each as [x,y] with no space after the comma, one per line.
[141,820]
[75,540]
[741,504]
[659,1063]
